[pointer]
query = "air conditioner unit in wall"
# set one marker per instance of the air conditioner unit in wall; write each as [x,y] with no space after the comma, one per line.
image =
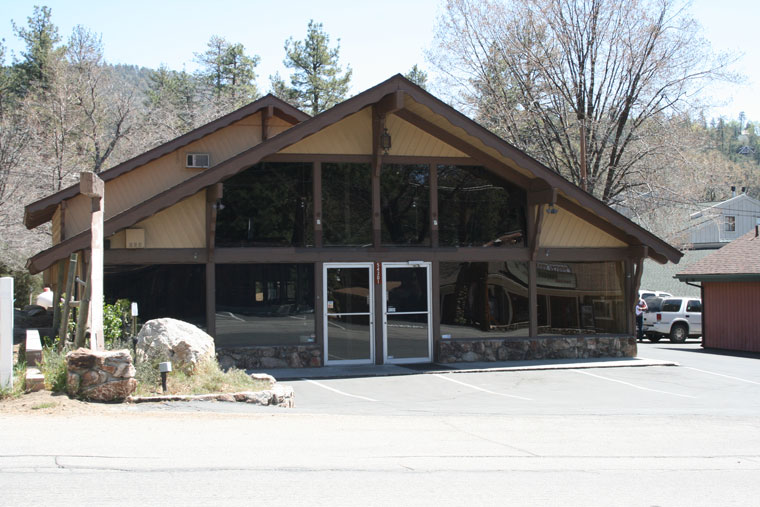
[198,160]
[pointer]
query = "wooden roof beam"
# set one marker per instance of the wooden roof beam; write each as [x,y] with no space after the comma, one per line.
[390,103]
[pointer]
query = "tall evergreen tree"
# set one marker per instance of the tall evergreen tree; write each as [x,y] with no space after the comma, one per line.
[40,36]
[317,82]
[417,76]
[229,71]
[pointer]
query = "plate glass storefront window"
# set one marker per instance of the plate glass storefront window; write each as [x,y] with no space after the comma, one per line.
[347,204]
[477,208]
[405,205]
[269,204]
[264,304]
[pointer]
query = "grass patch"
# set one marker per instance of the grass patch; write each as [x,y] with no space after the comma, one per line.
[19,382]
[47,404]
[208,378]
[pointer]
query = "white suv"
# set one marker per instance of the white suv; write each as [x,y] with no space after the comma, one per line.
[646,294]
[677,317]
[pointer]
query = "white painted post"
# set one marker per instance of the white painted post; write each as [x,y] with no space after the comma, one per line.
[92,186]
[6,332]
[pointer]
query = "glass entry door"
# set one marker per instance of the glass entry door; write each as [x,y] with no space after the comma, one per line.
[407,326]
[348,298]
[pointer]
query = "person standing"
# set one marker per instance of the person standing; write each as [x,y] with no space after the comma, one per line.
[641,307]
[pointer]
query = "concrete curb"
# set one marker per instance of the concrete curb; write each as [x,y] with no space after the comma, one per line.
[277,396]
[333,372]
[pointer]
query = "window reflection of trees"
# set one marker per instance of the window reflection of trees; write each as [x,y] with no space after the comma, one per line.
[269,204]
[477,208]
[405,205]
[347,204]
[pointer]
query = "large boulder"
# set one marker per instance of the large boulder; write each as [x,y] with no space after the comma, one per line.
[181,343]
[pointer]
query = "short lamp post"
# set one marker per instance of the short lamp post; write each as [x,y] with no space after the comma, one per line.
[164,368]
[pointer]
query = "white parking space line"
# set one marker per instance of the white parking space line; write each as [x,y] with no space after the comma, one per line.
[336,390]
[722,375]
[633,385]
[446,377]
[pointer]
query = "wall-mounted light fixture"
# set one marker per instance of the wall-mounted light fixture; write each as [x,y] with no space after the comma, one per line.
[385,141]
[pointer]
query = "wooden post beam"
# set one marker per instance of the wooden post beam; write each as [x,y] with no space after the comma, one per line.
[94,188]
[266,114]
[390,103]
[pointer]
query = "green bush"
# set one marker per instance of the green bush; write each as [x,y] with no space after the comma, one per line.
[24,284]
[117,319]
[53,368]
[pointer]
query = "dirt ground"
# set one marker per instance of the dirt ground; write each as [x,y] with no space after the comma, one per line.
[47,402]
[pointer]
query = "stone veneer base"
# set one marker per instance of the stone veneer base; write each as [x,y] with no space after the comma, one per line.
[543,347]
[447,351]
[285,356]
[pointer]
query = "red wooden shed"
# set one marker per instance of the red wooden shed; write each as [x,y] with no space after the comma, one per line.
[730,281]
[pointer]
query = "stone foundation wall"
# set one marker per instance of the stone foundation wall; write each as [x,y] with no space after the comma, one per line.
[545,347]
[285,356]
[100,376]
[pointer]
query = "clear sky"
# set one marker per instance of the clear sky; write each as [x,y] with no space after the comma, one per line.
[377,39]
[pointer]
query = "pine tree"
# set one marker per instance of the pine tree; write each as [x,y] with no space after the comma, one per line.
[40,37]
[417,76]
[317,82]
[229,71]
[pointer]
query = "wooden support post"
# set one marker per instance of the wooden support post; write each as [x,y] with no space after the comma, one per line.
[266,115]
[83,312]
[63,330]
[317,192]
[94,188]
[532,299]
[6,332]
[378,124]
[213,197]
[57,292]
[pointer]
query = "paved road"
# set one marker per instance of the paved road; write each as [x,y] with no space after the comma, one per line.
[686,435]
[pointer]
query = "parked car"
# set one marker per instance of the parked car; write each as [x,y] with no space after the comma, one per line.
[646,294]
[676,317]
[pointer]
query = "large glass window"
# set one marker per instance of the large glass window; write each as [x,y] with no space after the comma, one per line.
[160,290]
[405,205]
[269,204]
[347,204]
[490,299]
[264,304]
[477,208]
[484,300]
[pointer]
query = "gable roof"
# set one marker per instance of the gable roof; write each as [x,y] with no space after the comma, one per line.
[41,211]
[725,206]
[424,111]
[737,261]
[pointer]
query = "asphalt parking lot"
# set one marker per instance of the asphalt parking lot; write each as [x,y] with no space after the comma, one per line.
[643,435]
[697,383]
[702,383]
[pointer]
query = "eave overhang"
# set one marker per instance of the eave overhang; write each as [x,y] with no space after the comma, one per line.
[39,212]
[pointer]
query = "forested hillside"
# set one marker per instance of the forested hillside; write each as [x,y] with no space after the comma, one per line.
[64,109]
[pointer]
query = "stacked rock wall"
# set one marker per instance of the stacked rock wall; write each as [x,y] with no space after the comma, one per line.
[100,376]
[544,347]
[295,356]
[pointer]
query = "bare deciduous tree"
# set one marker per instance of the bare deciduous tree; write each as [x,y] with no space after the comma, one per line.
[536,71]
